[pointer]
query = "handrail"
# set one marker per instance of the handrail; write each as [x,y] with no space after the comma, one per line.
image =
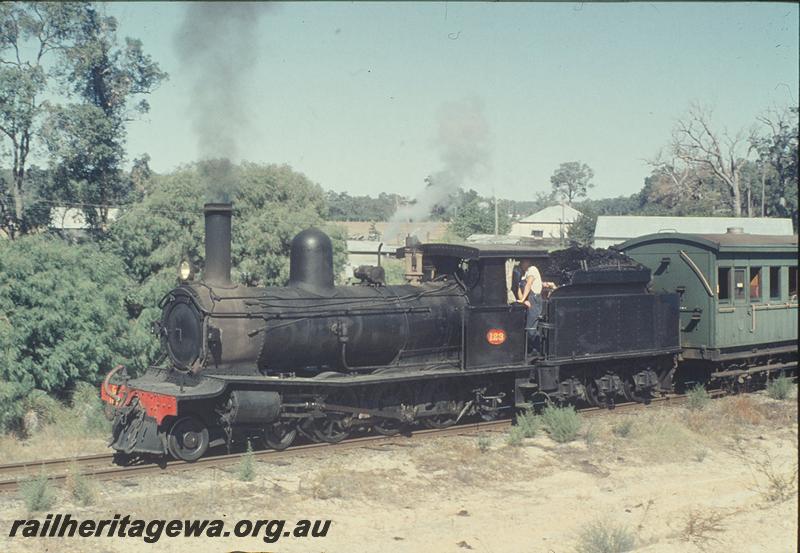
[697,272]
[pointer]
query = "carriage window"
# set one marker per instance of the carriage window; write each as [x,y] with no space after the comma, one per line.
[755,283]
[738,284]
[774,282]
[792,283]
[724,283]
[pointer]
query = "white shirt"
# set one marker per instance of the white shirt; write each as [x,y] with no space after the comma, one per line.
[536,286]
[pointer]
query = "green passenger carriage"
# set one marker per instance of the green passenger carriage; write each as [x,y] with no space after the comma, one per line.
[738,296]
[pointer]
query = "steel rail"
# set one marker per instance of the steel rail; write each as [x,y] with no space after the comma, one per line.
[99,466]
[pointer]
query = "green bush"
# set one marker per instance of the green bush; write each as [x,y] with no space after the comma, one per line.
[12,408]
[528,424]
[697,398]
[602,537]
[247,466]
[515,436]
[46,408]
[623,429]
[64,315]
[38,494]
[80,488]
[562,423]
[779,388]
[484,443]
[89,408]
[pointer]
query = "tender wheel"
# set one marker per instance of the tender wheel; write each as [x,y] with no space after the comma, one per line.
[334,427]
[438,396]
[631,394]
[188,439]
[592,393]
[280,434]
[390,397]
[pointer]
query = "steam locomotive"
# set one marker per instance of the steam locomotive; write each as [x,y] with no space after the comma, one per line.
[322,361]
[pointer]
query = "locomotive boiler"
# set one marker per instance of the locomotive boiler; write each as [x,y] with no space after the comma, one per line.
[309,326]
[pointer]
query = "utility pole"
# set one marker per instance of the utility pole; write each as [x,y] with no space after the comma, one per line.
[496,220]
[763,173]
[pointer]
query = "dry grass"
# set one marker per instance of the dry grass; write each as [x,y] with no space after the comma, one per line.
[774,482]
[605,537]
[660,437]
[347,484]
[460,462]
[701,525]
[55,430]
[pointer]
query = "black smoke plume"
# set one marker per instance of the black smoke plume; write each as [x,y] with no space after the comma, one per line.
[217,43]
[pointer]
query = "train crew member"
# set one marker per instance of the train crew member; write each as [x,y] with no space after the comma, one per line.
[530,293]
[513,278]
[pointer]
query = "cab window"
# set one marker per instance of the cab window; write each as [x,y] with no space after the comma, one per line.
[793,283]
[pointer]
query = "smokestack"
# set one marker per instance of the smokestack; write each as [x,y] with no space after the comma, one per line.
[218,244]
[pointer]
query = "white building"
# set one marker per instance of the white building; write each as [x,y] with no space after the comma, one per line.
[611,230]
[72,219]
[551,222]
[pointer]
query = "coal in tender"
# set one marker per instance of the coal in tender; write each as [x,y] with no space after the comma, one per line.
[562,264]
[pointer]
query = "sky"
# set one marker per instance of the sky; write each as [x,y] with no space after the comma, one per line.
[351,94]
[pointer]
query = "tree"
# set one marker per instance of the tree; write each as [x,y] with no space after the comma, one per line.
[572,180]
[777,163]
[52,53]
[477,217]
[64,315]
[87,138]
[676,188]
[152,236]
[581,232]
[30,34]
[698,145]
[344,207]
[518,209]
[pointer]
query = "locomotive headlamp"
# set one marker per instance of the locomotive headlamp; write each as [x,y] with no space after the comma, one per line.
[185,271]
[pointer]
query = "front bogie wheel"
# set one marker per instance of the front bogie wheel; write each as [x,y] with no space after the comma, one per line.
[188,439]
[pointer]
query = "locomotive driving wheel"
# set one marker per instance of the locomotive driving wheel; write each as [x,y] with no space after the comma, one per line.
[334,426]
[392,398]
[280,434]
[439,397]
[187,439]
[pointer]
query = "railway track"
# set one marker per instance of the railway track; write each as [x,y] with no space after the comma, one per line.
[101,467]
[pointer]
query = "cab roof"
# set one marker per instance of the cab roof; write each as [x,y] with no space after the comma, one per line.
[478,251]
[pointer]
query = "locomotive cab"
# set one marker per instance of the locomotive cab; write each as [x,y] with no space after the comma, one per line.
[494,324]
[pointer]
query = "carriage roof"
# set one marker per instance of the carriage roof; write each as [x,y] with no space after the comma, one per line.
[729,242]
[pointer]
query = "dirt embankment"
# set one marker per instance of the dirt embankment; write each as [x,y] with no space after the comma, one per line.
[722,478]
